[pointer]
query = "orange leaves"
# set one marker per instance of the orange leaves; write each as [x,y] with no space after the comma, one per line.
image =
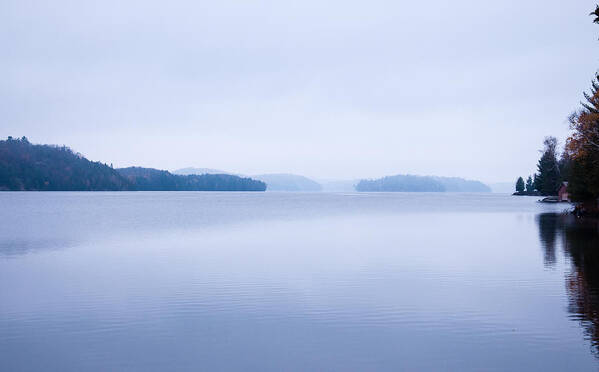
[585,126]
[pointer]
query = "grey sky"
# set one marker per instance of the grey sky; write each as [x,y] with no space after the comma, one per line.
[336,89]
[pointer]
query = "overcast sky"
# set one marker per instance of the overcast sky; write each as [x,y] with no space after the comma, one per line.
[327,89]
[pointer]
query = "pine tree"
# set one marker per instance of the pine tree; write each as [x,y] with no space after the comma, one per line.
[520,185]
[596,14]
[548,179]
[530,188]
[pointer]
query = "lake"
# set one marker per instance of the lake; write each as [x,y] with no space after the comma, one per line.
[155,281]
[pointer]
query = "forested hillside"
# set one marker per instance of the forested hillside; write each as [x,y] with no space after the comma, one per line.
[25,166]
[28,167]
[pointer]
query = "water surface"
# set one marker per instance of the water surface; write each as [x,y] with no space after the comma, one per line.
[295,281]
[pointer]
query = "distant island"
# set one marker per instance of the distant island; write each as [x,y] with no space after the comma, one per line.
[411,183]
[28,167]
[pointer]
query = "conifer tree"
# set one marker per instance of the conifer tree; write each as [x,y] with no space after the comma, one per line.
[529,185]
[520,185]
[548,179]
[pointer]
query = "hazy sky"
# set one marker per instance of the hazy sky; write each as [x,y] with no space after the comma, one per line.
[328,89]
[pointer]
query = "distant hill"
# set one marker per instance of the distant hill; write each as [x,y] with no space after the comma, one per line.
[25,166]
[410,183]
[149,179]
[191,170]
[288,182]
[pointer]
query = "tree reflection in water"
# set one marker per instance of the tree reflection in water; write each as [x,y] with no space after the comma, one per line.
[580,242]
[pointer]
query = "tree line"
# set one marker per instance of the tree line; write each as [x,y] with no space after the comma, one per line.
[28,167]
[149,179]
[553,170]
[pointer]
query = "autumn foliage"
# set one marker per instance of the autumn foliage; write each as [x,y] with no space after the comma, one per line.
[584,140]
[583,148]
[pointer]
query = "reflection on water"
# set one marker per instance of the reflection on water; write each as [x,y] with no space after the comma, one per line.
[548,225]
[294,281]
[579,240]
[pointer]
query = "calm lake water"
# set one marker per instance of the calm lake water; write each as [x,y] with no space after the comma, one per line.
[295,281]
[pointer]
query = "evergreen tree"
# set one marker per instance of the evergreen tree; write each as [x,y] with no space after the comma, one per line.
[530,188]
[549,179]
[595,13]
[583,185]
[565,166]
[520,185]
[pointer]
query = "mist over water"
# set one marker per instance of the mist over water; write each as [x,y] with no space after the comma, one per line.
[294,281]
